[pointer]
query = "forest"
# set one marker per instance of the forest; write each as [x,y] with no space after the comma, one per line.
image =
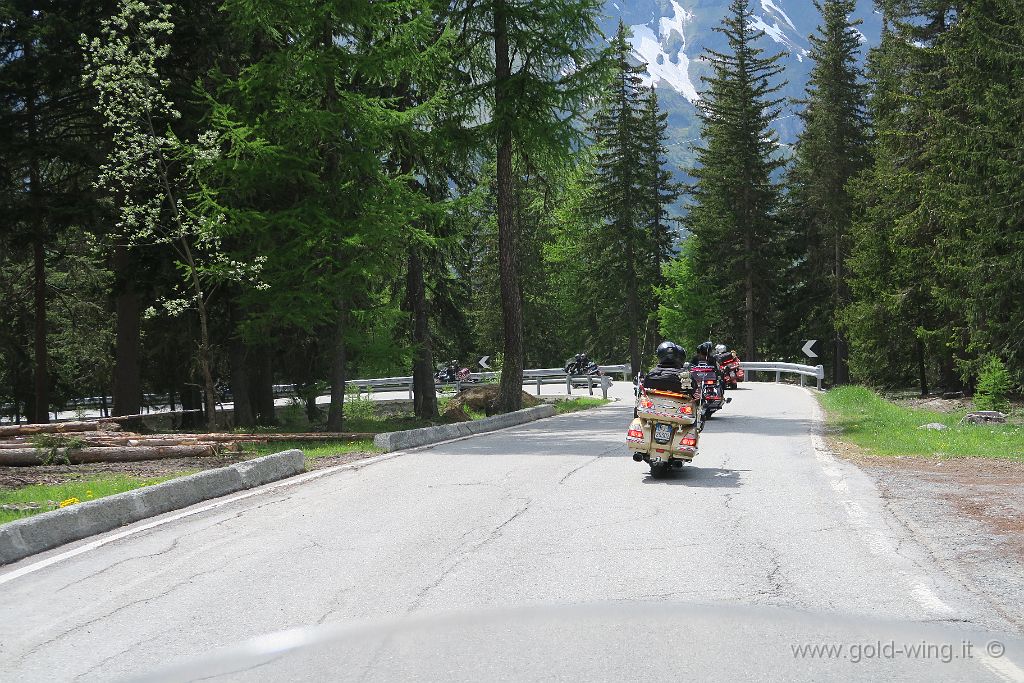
[227,195]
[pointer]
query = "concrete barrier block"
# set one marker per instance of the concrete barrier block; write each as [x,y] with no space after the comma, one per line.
[270,468]
[48,530]
[413,438]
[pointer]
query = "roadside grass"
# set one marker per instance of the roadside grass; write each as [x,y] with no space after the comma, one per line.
[883,428]
[49,496]
[314,450]
[571,405]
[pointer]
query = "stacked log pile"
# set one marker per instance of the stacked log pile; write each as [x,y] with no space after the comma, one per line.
[104,441]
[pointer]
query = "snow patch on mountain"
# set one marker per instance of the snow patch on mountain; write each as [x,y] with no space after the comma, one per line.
[664,52]
[771,8]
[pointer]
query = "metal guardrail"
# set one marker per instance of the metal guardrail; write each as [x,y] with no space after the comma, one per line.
[816,371]
[538,377]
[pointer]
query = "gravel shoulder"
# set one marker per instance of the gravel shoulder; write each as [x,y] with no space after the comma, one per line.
[967,512]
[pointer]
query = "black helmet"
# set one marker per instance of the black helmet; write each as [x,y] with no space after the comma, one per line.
[704,349]
[670,351]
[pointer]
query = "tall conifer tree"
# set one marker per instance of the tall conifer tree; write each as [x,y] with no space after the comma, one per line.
[831,149]
[737,241]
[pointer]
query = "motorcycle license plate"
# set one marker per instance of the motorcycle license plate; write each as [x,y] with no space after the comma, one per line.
[662,433]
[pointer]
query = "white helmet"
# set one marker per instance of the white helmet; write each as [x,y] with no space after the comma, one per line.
[719,348]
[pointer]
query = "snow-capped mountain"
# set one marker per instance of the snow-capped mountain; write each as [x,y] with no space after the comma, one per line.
[671,35]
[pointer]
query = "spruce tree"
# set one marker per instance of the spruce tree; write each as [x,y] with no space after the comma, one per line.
[974,183]
[737,246]
[897,328]
[533,65]
[831,149]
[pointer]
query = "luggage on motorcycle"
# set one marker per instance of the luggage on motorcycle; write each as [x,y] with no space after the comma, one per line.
[638,436]
[675,380]
[660,406]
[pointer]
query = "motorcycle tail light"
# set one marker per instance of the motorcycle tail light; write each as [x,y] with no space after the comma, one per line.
[709,381]
[636,433]
[689,441]
[647,404]
[686,410]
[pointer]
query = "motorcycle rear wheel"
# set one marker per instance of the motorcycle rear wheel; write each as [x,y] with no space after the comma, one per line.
[659,471]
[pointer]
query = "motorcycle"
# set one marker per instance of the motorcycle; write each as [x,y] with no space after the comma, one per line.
[667,424]
[581,366]
[731,370]
[710,387]
[452,373]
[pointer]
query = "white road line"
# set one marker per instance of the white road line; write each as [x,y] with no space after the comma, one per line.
[1002,667]
[877,542]
[93,545]
[220,502]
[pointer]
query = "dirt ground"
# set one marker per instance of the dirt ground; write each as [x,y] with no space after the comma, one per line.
[967,512]
[16,477]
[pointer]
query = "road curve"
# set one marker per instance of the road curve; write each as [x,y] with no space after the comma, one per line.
[555,512]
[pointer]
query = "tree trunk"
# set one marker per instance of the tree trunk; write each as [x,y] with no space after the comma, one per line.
[240,392]
[633,314]
[922,370]
[841,362]
[40,376]
[748,306]
[511,389]
[38,409]
[127,384]
[262,386]
[423,391]
[336,413]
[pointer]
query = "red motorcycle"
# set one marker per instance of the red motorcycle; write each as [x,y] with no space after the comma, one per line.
[731,370]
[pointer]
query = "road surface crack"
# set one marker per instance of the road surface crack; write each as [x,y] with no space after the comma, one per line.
[460,555]
[90,622]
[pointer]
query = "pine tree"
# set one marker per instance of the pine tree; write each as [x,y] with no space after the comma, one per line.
[831,149]
[318,180]
[624,253]
[974,183]
[533,65]
[897,330]
[737,240]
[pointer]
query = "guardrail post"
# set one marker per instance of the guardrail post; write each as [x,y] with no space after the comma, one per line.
[590,385]
[568,384]
[778,376]
[538,386]
[605,383]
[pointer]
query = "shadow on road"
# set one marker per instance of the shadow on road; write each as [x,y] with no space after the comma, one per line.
[724,424]
[703,477]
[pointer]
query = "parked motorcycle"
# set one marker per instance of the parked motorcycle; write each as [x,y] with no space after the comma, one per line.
[452,373]
[667,425]
[581,365]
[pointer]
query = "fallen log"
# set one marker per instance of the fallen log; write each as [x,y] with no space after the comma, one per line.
[21,457]
[318,436]
[105,425]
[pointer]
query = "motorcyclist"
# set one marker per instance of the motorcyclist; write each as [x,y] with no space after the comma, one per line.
[577,365]
[704,354]
[669,372]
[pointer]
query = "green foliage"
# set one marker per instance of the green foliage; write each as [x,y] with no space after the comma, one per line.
[830,151]
[883,428]
[737,257]
[31,500]
[571,405]
[994,384]
[52,447]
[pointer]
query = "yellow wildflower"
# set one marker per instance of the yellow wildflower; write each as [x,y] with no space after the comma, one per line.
[69,501]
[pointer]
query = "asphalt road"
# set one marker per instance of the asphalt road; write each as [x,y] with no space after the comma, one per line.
[552,513]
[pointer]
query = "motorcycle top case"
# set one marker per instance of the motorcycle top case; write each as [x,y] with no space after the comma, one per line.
[652,407]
